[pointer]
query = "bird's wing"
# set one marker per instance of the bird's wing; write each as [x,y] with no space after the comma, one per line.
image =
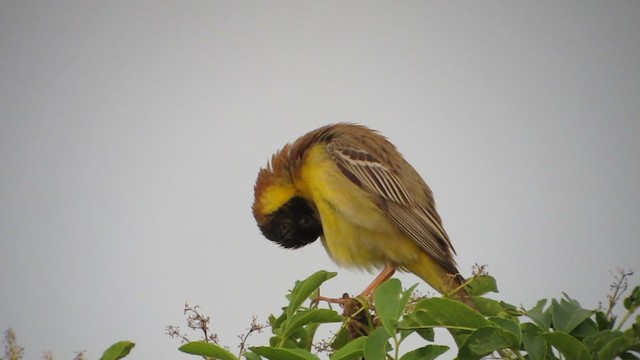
[418,220]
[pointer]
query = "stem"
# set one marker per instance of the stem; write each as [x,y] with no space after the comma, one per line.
[242,345]
[510,353]
[396,346]
[618,288]
[439,326]
[624,319]
[460,287]
[613,299]
[281,343]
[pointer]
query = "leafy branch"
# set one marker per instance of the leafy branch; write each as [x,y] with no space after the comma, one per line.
[376,329]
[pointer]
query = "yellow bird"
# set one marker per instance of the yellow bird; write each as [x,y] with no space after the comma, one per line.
[349,185]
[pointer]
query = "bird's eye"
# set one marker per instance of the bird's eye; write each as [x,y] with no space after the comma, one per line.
[305,220]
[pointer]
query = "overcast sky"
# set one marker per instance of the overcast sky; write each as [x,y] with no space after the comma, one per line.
[131,133]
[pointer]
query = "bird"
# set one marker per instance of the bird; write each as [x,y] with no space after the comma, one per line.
[348,185]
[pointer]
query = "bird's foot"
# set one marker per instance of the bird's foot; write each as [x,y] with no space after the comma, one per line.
[342,301]
[355,310]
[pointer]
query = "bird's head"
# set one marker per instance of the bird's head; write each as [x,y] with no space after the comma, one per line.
[284,216]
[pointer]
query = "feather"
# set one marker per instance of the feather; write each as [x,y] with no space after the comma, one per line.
[413,213]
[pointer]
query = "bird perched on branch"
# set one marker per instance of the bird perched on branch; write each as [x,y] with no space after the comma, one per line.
[349,186]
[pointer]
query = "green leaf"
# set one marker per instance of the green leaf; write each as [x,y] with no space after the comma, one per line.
[487,307]
[413,323]
[287,343]
[634,330]
[305,288]
[539,315]
[486,340]
[586,328]
[207,349]
[569,346]
[428,352]
[300,337]
[274,340]
[426,333]
[632,302]
[251,356]
[375,346]
[341,339]
[311,332]
[603,322]
[614,348]
[283,354]
[596,342]
[387,301]
[302,327]
[460,336]
[406,296]
[275,322]
[481,285]
[509,325]
[441,312]
[309,316]
[352,350]
[533,342]
[511,309]
[117,350]
[567,314]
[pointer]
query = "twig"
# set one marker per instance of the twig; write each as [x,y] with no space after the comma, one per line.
[255,326]
[618,287]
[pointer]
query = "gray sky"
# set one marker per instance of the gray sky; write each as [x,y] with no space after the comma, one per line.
[131,134]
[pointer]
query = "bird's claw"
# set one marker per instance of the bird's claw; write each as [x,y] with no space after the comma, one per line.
[341,301]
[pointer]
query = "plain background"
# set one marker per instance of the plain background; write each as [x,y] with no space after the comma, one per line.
[131,134]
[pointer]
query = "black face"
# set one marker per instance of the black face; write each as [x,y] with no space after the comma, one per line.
[294,225]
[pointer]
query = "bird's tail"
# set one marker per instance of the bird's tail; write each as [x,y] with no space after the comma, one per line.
[459,291]
[445,282]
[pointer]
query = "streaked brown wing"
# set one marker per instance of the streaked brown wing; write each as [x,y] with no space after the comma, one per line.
[418,221]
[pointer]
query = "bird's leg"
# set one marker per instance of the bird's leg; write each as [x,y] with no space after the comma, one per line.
[357,311]
[385,275]
[342,301]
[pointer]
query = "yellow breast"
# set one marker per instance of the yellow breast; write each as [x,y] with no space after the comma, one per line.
[356,231]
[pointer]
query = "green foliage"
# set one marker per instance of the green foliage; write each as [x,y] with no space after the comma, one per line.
[376,328]
[207,349]
[12,351]
[118,350]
